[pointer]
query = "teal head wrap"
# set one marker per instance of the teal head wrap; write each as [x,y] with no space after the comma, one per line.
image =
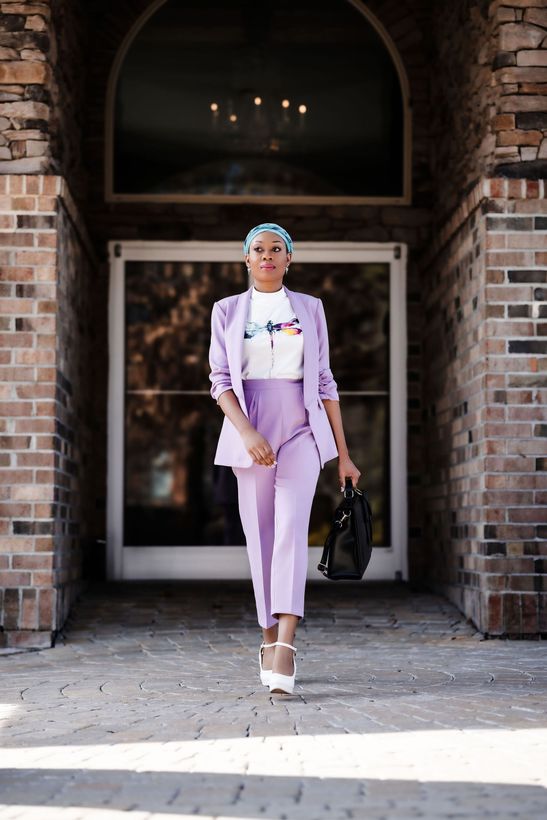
[267,226]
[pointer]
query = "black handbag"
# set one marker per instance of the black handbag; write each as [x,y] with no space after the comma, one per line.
[348,546]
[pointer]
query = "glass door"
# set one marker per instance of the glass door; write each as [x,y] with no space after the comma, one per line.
[172,513]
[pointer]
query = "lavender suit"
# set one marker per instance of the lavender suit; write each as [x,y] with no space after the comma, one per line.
[275,503]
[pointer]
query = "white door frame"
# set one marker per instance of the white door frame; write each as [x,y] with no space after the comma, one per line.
[158,562]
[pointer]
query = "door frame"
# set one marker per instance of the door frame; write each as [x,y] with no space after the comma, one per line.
[231,562]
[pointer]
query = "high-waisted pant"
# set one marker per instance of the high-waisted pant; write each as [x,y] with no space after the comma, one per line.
[275,502]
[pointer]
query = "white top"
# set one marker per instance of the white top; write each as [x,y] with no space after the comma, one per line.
[273,343]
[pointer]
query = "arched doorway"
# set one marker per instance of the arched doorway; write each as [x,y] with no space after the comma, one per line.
[171,513]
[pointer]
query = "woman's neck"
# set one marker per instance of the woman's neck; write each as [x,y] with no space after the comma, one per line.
[259,290]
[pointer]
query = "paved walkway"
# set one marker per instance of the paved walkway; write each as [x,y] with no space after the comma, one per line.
[151,704]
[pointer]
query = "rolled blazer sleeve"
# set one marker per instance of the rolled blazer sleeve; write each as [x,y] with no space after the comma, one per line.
[327,385]
[218,360]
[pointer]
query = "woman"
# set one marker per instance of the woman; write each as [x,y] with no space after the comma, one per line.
[270,374]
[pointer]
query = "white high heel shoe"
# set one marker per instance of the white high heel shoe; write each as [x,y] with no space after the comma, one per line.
[265,674]
[283,683]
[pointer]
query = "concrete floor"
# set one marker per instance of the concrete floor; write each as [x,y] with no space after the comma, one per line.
[150,704]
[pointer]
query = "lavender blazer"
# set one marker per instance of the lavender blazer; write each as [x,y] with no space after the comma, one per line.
[228,319]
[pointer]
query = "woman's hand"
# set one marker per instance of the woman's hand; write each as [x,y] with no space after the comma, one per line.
[347,469]
[258,447]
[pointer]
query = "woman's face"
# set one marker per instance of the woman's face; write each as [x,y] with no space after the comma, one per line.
[267,258]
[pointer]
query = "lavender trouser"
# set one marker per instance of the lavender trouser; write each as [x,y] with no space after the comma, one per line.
[275,502]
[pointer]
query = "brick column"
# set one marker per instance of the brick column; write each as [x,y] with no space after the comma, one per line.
[27,410]
[46,496]
[484,407]
[513,566]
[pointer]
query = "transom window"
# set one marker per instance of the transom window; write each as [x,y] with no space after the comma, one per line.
[252,99]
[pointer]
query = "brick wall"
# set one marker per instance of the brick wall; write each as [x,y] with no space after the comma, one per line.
[477,78]
[49,373]
[484,407]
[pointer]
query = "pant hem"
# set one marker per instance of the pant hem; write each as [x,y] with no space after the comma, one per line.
[287,612]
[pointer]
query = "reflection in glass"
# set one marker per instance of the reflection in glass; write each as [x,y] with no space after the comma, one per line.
[356,301]
[174,494]
[168,320]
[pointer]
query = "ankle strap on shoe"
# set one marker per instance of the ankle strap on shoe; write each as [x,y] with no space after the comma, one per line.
[282,643]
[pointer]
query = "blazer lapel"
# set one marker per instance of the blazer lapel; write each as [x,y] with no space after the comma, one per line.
[311,347]
[234,344]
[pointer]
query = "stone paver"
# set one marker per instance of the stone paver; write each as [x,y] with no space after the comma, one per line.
[151,704]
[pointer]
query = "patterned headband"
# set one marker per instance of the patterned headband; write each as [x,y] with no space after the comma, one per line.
[267,226]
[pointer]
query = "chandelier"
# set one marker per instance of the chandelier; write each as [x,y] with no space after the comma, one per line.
[267,123]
